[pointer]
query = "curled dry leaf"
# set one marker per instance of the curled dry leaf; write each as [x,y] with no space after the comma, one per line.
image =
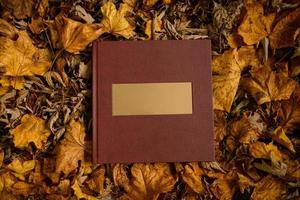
[227,70]
[266,85]
[244,182]
[223,187]
[21,58]
[32,129]
[96,182]
[286,30]
[255,25]
[8,30]
[20,8]
[79,194]
[266,151]
[71,149]
[148,181]
[114,20]
[269,188]
[192,177]
[279,136]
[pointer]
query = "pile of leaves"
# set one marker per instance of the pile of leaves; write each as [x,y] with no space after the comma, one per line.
[45,99]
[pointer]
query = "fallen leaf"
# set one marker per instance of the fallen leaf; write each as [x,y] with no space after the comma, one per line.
[8,30]
[277,169]
[244,182]
[96,182]
[266,151]
[286,30]
[75,36]
[149,181]
[114,20]
[31,129]
[279,136]
[266,85]
[71,148]
[255,25]
[192,177]
[79,194]
[227,70]
[21,167]
[20,8]
[269,188]
[223,188]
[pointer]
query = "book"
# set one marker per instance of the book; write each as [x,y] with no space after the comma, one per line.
[152,101]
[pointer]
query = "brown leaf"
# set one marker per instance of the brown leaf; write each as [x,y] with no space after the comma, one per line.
[244,182]
[71,148]
[148,181]
[20,8]
[286,30]
[31,129]
[266,151]
[269,188]
[223,187]
[279,136]
[8,30]
[79,194]
[255,25]
[266,85]
[227,70]
[191,175]
[96,182]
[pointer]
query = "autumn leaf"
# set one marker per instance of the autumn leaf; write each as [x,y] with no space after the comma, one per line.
[8,30]
[79,194]
[279,136]
[255,25]
[244,182]
[192,177]
[75,36]
[286,30]
[223,187]
[21,168]
[266,85]
[227,70]
[148,181]
[20,8]
[31,129]
[114,20]
[21,58]
[269,188]
[266,151]
[96,182]
[71,148]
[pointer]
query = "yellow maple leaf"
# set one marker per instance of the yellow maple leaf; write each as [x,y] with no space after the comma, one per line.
[79,194]
[114,20]
[266,151]
[21,168]
[266,85]
[148,181]
[21,58]
[286,30]
[255,25]
[227,70]
[75,36]
[191,175]
[31,129]
[269,188]
[71,148]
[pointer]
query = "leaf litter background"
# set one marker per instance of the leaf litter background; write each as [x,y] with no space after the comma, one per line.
[45,98]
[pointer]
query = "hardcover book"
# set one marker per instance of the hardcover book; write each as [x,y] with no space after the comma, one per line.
[152,101]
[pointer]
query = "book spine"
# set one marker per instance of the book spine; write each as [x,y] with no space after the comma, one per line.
[94,103]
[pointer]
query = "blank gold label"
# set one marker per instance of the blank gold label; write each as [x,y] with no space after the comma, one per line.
[152,98]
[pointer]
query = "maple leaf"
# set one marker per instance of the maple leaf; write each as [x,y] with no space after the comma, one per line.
[255,25]
[21,58]
[191,175]
[21,168]
[21,8]
[31,129]
[114,20]
[71,148]
[227,70]
[147,182]
[79,194]
[266,151]
[266,85]
[286,30]
[269,188]
[75,36]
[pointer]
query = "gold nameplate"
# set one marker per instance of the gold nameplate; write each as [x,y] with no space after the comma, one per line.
[152,98]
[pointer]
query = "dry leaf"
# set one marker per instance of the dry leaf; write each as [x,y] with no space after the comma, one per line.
[255,25]
[96,182]
[266,85]
[286,30]
[223,188]
[269,188]
[21,8]
[79,194]
[114,20]
[71,148]
[192,176]
[8,30]
[75,36]
[279,136]
[21,58]
[227,70]
[266,151]
[31,129]
[148,181]
[244,182]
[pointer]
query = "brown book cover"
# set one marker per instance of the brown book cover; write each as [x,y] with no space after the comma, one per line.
[152,101]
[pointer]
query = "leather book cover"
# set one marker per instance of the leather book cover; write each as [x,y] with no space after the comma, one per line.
[152,101]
